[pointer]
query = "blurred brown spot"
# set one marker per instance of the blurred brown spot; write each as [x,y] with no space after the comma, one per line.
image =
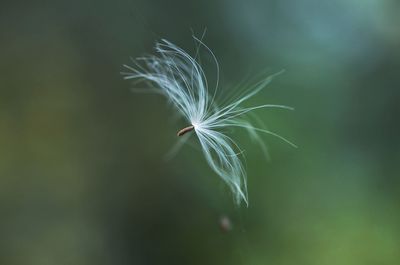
[225,224]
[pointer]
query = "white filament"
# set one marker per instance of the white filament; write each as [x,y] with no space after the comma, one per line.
[181,79]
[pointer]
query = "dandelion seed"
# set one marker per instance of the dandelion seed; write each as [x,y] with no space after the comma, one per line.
[185,130]
[181,79]
[225,224]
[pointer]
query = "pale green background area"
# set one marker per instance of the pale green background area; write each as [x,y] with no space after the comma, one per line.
[83,178]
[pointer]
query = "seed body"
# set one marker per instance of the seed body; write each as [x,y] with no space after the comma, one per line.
[185,130]
[225,224]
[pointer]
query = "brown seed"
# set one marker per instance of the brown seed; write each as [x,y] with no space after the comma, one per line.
[185,130]
[225,224]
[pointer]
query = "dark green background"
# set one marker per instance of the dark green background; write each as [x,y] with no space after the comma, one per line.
[83,178]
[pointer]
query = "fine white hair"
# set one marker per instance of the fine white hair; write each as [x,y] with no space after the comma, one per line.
[181,79]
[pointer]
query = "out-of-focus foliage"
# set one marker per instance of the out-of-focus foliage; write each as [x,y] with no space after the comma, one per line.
[83,178]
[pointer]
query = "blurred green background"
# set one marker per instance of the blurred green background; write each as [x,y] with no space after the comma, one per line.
[83,178]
